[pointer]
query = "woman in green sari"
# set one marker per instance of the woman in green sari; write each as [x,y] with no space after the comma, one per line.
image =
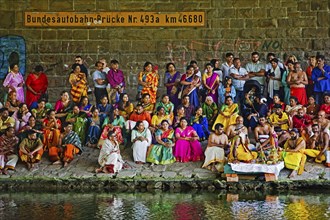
[161,153]
[79,121]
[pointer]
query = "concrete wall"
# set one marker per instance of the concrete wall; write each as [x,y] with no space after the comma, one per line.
[299,27]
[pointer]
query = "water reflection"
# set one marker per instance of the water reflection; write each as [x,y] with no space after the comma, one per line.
[164,206]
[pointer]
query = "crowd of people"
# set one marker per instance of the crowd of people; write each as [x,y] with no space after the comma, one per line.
[260,113]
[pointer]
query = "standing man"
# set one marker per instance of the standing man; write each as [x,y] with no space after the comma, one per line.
[240,75]
[225,67]
[321,78]
[297,80]
[256,70]
[100,82]
[116,80]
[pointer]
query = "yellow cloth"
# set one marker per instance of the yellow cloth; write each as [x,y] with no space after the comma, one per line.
[294,160]
[156,120]
[231,111]
[314,153]
[275,118]
[242,152]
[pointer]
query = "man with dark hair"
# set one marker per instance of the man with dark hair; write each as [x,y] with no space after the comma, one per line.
[100,82]
[321,78]
[318,144]
[5,120]
[240,76]
[225,67]
[293,155]
[8,143]
[279,118]
[116,81]
[256,70]
[31,149]
[215,151]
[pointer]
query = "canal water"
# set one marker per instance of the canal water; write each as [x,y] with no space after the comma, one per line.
[191,205]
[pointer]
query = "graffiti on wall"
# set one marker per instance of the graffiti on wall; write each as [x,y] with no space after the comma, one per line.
[12,50]
[182,54]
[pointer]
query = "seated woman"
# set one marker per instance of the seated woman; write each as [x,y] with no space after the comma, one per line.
[12,103]
[51,129]
[63,106]
[326,105]
[68,146]
[187,147]
[104,108]
[161,153]
[21,116]
[141,139]
[116,123]
[146,103]
[85,106]
[215,153]
[31,150]
[210,109]
[124,106]
[276,100]
[167,105]
[199,122]
[294,106]
[226,89]
[31,125]
[40,112]
[158,118]
[180,113]
[228,113]
[79,122]
[94,129]
[312,108]
[110,159]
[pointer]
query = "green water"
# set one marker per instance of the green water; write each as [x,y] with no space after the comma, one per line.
[197,205]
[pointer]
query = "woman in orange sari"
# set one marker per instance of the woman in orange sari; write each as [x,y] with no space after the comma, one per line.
[148,81]
[52,130]
[78,83]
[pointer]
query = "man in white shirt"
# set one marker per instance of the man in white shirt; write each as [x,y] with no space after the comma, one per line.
[100,82]
[239,75]
[225,67]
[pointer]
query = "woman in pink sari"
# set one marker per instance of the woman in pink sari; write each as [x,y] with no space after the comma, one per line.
[14,81]
[187,147]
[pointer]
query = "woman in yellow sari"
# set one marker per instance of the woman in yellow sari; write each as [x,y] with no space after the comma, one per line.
[125,107]
[148,81]
[228,113]
[78,83]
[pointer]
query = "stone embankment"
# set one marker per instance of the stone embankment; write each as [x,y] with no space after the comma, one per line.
[80,176]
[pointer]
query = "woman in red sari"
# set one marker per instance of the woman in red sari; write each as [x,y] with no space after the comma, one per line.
[148,81]
[36,86]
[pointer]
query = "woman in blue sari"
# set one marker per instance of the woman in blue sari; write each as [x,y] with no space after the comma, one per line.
[94,129]
[85,106]
[190,84]
[200,124]
[172,83]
